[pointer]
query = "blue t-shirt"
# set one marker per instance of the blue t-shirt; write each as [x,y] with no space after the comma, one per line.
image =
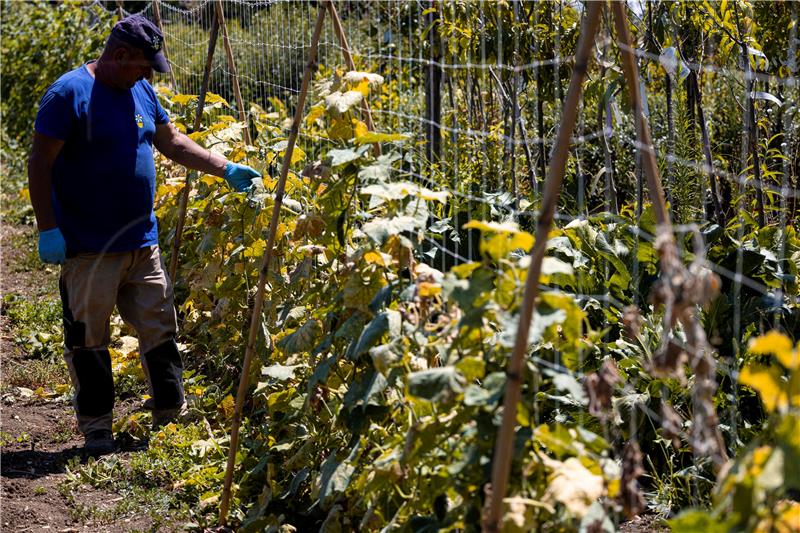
[104,177]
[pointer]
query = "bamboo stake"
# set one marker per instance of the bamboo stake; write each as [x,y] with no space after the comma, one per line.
[157,16]
[255,321]
[120,11]
[552,187]
[187,187]
[232,64]
[348,59]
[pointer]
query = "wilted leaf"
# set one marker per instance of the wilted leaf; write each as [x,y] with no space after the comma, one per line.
[572,485]
[279,372]
[339,102]
[356,77]
[380,229]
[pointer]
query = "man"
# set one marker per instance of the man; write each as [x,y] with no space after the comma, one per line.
[92,184]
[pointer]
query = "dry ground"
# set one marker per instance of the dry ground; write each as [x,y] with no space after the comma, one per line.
[38,436]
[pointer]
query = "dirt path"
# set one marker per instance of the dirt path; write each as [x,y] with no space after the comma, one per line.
[38,435]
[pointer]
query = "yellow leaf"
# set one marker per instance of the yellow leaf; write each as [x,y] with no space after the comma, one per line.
[183,99]
[494,227]
[340,129]
[236,155]
[363,87]
[377,137]
[374,257]
[226,406]
[256,249]
[318,111]
[427,289]
[499,246]
[778,344]
[360,128]
[464,271]
[208,179]
[767,382]
[297,155]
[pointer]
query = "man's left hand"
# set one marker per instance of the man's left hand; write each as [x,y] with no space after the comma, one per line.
[240,177]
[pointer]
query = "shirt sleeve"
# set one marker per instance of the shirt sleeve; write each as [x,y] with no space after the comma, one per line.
[56,116]
[159,116]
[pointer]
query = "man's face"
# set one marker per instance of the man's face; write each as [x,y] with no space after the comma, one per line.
[132,66]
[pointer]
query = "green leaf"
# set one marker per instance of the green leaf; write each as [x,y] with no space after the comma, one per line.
[698,521]
[334,476]
[386,356]
[303,339]
[361,287]
[386,322]
[439,385]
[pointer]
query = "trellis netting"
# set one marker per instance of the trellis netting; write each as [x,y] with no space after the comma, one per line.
[477,87]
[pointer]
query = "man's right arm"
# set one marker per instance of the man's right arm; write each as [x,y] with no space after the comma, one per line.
[40,178]
[40,183]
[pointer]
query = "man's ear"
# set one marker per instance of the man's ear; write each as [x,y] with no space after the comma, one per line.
[121,55]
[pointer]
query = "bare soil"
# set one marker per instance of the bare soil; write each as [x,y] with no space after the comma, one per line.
[39,436]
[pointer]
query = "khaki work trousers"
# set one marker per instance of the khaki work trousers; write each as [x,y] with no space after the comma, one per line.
[136,282]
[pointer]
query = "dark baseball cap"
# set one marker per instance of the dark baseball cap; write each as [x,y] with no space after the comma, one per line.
[140,33]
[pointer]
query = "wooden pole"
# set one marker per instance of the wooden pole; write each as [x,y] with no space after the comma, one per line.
[348,59]
[120,11]
[187,187]
[552,187]
[237,92]
[157,16]
[255,321]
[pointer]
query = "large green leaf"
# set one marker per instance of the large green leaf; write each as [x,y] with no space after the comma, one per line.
[438,385]
[303,339]
[385,322]
[335,476]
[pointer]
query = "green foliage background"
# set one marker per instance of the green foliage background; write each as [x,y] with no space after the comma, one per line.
[376,395]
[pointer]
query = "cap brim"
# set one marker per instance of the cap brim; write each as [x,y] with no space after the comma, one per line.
[160,63]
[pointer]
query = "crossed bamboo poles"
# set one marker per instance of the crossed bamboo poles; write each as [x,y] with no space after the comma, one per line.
[668,250]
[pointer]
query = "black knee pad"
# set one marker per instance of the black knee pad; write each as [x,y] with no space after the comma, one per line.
[74,331]
[166,368]
[95,381]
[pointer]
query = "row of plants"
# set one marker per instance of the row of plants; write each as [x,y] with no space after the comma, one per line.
[376,393]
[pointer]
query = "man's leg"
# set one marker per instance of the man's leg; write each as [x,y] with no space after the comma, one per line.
[145,302]
[88,287]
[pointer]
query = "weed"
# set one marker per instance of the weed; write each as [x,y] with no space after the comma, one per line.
[36,325]
[7,438]
[36,373]
[40,491]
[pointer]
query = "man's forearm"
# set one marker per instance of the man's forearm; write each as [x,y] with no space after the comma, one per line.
[188,153]
[40,187]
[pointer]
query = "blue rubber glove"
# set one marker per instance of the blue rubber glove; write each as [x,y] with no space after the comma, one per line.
[52,247]
[240,177]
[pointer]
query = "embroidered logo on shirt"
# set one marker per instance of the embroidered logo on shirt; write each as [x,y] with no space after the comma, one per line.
[139,120]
